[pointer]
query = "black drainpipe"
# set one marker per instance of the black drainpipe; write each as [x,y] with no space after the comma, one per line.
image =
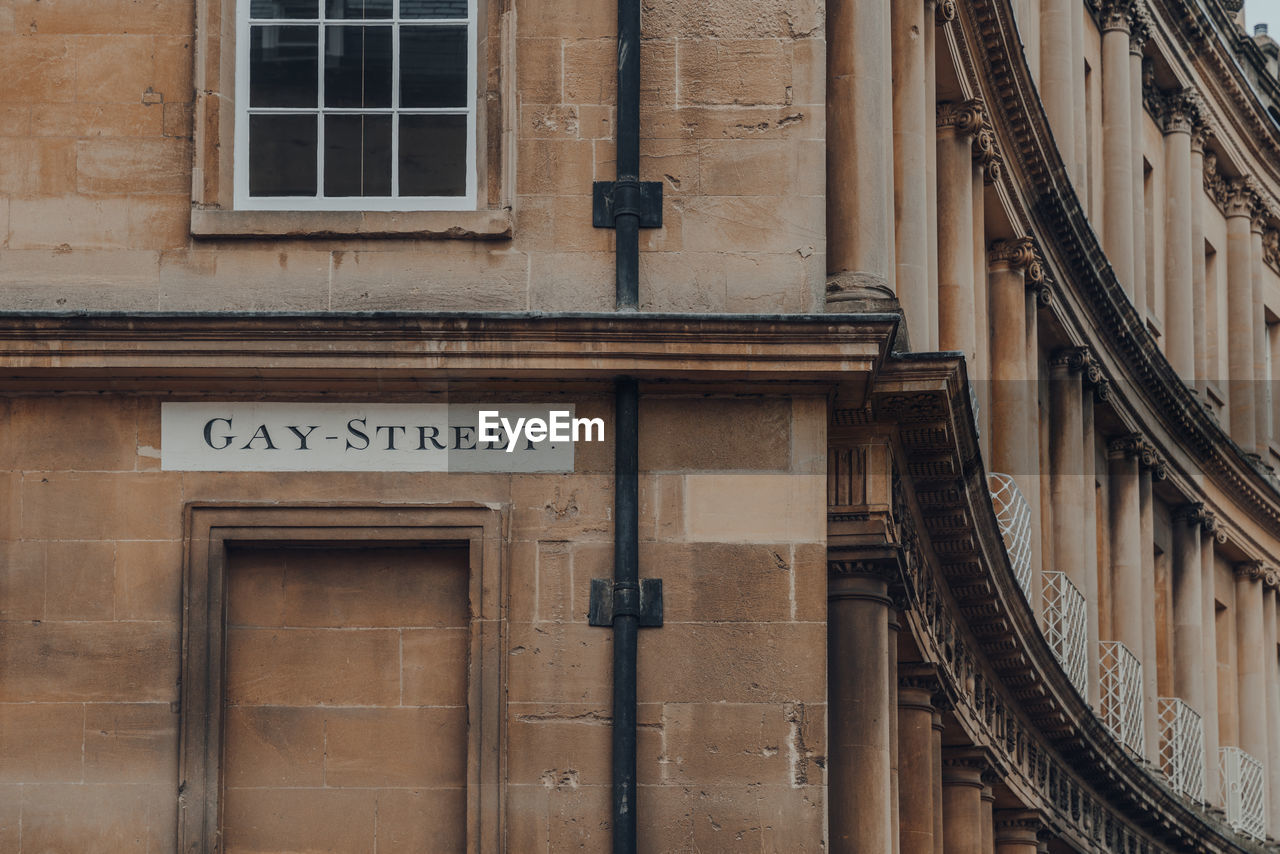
[625,603]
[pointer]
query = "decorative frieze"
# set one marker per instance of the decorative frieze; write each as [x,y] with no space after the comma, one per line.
[963,117]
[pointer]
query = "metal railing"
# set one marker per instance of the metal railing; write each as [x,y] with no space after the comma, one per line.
[1181,747]
[1242,789]
[1013,514]
[1066,629]
[1122,695]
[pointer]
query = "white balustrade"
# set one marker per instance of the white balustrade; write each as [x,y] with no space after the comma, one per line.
[1122,695]
[1065,628]
[1181,747]
[1013,514]
[1242,788]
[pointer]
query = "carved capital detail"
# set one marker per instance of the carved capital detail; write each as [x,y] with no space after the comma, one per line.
[883,570]
[1116,15]
[1191,514]
[1072,358]
[987,155]
[1139,28]
[1271,248]
[1239,198]
[1180,111]
[944,13]
[1251,570]
[1128,445]
[963,117]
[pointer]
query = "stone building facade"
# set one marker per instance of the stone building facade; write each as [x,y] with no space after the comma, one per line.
[956,439]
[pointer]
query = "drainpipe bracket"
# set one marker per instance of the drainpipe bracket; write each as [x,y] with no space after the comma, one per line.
[642,601]
[612,199]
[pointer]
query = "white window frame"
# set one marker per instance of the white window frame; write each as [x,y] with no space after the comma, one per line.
[243,201]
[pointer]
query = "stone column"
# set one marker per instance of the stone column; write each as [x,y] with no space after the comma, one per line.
[1010,393]
[1273,697]
[860,256]
[1188,607]
[911,137]
[944,12]
[1262,388]
[858,665]
[1090,531]
[1117,143]
[1031,483]
[957,125]
[1126,542]
[895,632]
[1079,144]
[939,705]
[1199,275]
[1066,452]
[917,684]
[1151,469]
[1209,654]
[1180,319]
[986,170]
[1017,832]
[1139,30]
[988,814]
[1251,660]
[1240,319]
[1057,84]
[962,803]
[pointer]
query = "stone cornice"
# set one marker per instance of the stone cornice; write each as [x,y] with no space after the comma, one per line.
[96,352]
[1104,316]
[968,616]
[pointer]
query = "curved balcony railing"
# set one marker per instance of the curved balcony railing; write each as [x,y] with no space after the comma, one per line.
[1122,695]
[1182,747]
[1013,515]
[1242,789]
[1065,628]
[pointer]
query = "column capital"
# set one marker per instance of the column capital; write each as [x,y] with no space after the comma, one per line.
[1116,15]
[1250,570]
[880,569]
[1123,447]
[964,767]
[962,117]
[918,684]
[1271,579]
[1213,528]
[1215,185]
[1073,359]
[986,155]
[1139,29]
[944,12]
[1271,247]
[1018,826]
[1239,199]
[1258,222]
[1179,111]
[1018,254]
[1200,133]
[1192,514]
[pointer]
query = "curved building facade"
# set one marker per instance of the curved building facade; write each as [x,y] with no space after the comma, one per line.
[933,348]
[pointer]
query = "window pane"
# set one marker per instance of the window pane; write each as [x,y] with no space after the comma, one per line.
[357,155]
[282,66]
[359,9]
[357,66]
[284,9]
[282,155]
[433,155]
[433,66]
[433,9]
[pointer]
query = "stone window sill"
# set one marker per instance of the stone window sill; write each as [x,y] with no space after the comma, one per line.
[422,225]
